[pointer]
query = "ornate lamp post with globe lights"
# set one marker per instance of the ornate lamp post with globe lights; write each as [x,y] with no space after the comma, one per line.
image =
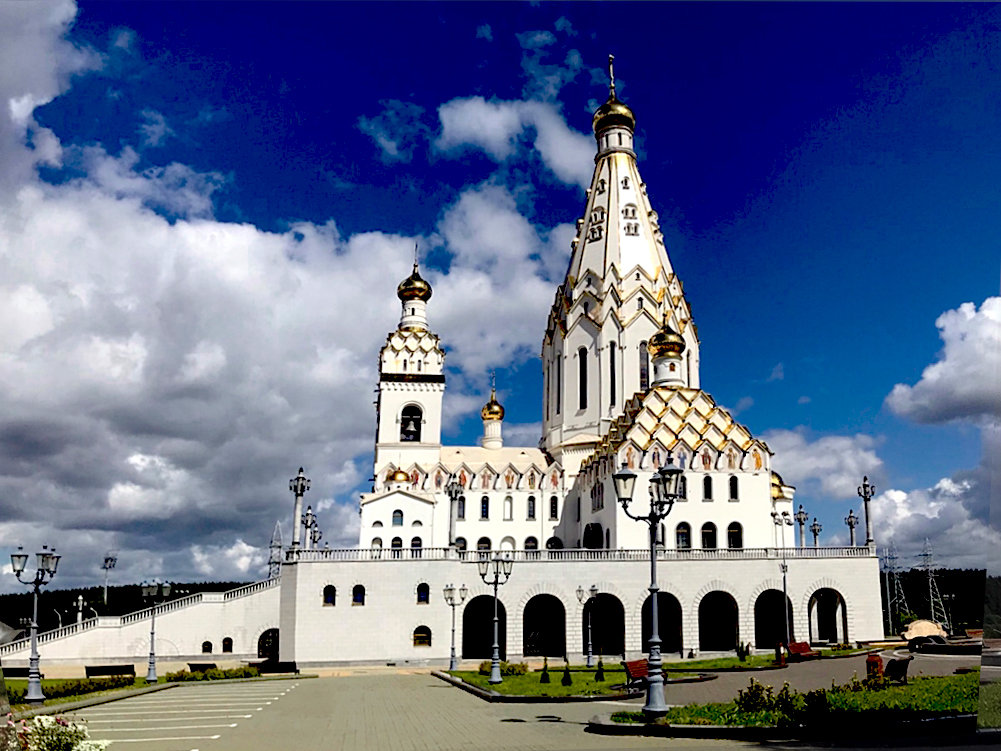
[663,494]
[502,565]
[110,559]
[782,521]
[816,528]
[454,598]
[454,490]
[865,492]
[852,521]
[802,518]
[46,563]
[592,596]
[155,592]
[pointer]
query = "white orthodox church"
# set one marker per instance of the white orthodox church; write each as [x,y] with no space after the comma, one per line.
[621,385]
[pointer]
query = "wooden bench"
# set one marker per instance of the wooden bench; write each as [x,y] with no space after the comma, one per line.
[96,671]
[200,667]
[273,666]
[800,650]
[636,673]
[896,669]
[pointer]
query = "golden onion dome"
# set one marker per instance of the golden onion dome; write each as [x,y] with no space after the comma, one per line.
[611,113]
[666,343]
[414,287]
[399,476]
[492,410]
[777,486]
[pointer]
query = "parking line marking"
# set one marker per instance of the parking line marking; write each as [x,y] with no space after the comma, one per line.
[165,719]
[174,738]
[168,711]
[174,727]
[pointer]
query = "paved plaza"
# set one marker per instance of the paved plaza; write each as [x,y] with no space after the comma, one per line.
[384,710]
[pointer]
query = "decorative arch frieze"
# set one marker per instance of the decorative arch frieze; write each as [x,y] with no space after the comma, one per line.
[543,588]
[825,583]
[714,585]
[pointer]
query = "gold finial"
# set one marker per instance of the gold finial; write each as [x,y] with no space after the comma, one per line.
[611,77]
[415,255]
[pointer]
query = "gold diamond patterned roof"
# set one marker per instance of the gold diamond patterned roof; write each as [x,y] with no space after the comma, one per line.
[680,419]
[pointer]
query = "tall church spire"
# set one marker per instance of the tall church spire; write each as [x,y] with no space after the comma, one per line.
[619,290]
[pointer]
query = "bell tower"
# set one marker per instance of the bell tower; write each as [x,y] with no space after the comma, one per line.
[411,384]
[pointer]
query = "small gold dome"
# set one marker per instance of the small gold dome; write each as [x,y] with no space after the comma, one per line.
[414,287]
[492,410]
[666,343]
[613,112]
[399,476]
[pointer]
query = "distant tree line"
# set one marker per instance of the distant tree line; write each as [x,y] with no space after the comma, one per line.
[992,608]
[962,593]
[121,600]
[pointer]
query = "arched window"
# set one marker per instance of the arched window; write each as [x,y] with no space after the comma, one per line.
[559,382]
[508,508]
[708,536]
[733,488]
[329,596]
[582,378]
[397,546]
[422,636]
[554,508]
[707,488]
[644,366]
[531,543]
[485,507]
[376,523]
[531,507]
[207,647]
[554,543]
[410,423]
[415,547]
[683,536]
[611,374]
[416,523]
[423,594]
[460,507]
[227,644]
[460,543]
[397,518]
[483,543]
[735,536]
[683,487]
[358,595]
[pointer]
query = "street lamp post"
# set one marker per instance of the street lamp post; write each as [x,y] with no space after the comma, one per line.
[110,559]
[852,521]
[782,521]
[802,518]
[155,592]
[592,595]
[816,528]
[501,566]
[298,486]
[866,491]
[663,494]
[454,598]
[454,490]
[46,563]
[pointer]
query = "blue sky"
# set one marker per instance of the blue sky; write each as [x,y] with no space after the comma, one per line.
[208,207]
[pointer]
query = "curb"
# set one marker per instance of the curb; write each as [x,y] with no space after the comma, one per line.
[70,706]
[493,696]
[959,729]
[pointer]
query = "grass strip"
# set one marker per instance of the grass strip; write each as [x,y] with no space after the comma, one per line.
[528,685]
[989,714]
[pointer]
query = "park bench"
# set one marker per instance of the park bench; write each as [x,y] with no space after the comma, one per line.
[200,667]
[17,673]
[96,671]
[273,666]
[800,650]
[896,669]
[636,673]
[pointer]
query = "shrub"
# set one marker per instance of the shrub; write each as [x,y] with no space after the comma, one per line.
[57,690]
[757,698]
[48,733]
[213,674]
[506,668]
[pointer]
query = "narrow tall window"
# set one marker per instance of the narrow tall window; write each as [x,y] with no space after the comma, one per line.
[683,536]
[644,367]
[554,509]
[415,547]
[707,488]
[460,507]
[508,508]
[683,487]
[708,536]
[358,595]
[733,488]
[531,507]
[423,594]
[735,536]
[397,518]
[559,382]
[227,644]
[611,375]
[329,595]
[582,378]
[484,507]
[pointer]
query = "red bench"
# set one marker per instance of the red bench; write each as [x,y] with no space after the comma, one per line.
[800,650]
[636,673]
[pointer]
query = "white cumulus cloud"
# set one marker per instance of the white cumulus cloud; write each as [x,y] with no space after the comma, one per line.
[831,465]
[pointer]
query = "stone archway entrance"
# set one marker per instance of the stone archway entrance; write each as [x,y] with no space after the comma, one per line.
[718,622]
[478,628]
[668,621]
[608,625]
[267,645]
[769,629]
[828,617]
[544,627]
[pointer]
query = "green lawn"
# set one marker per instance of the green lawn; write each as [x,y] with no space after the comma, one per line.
[721,663]
[57,686]
[922,697]
[529,685]
[989,715]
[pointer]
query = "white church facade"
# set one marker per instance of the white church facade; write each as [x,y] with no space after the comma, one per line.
[621,388]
